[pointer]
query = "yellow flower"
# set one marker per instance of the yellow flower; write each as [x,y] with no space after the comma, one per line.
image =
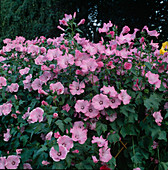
[164,46]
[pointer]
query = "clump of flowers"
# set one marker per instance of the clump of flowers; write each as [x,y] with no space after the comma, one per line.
[70,103]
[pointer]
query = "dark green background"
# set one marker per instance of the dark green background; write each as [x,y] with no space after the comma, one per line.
[33,18]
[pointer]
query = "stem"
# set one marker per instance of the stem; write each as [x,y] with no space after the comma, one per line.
[158,154]
[133,149]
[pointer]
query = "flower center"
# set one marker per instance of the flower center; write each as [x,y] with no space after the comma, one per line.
[90,110]
[77,136]
[112,100]
[101,102]
[82,107]
[64,144]
[59,153]
[13,162]
[77,88]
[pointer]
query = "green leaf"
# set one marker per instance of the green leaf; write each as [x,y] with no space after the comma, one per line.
[112,163]
[49,119]
[41,150]
[26,154]
[100,127]
[49,99]
[148,65]
[127,110]
[166,114]
[60,124]
[80,165]
[24,139]
[155,131]
[58,165]
[67,120]
[56,147]
[163,165]
[162,88]
[137,158]
[162,136]
[128,129]
[153,102]
[113,138]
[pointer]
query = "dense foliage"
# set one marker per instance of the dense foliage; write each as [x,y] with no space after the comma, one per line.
[69,103]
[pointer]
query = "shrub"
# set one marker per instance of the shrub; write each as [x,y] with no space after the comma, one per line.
[70,103]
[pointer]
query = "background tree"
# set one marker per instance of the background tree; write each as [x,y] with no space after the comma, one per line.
[32,18]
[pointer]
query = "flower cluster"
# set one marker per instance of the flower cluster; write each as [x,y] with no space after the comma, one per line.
[67,102]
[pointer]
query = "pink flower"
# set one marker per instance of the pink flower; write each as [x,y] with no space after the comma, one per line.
[65,20]
[57,156]
[79,134]
[18,151]
[41,91]
[45,76]
[89,65]
[153,79]
[138,86]
[2,82]
[55,115]
[105,27]
[79,124]
[109,90]
[77,88]
[81,106]
[26,114]
[137,168]
[99,140]
[60,28]
[6,108]
[127,65]
[39,60]
[100,101]
[125,30]
[14,116]
[27,84]
[24,71]
[66,107]
[155,145]
[45,162]
[58,87]
[36,115]
[1,108]
[37,84]
[91,112]
[124,97]
[65,141]
[13,87]
[12,162]
[105,154]
[151,33]
[95,160]
[45,68]
[44,103]
[49,135]
[27,166]
[142,40]
[158,117]
[114,102]
[75,151]
[112,117]
[2,162]
[82,21]
[57,135]
[65,61]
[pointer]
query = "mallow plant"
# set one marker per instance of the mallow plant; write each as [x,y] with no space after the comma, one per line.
[68,103]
